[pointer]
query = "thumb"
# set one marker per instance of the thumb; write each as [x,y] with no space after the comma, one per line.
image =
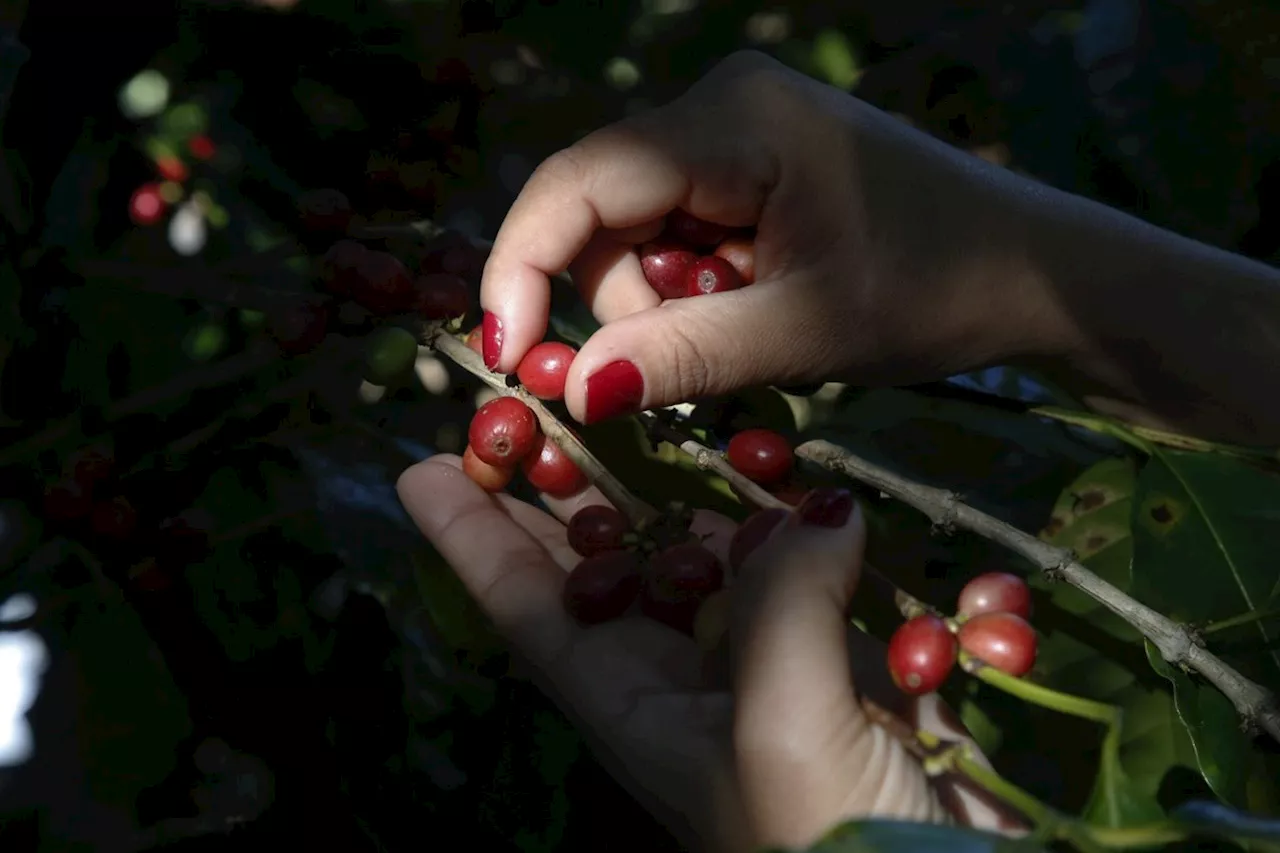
[807,756]
[703,346]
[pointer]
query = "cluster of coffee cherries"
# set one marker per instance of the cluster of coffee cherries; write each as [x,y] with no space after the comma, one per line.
[89,500]
[991,625]
[375,284]
[693,257]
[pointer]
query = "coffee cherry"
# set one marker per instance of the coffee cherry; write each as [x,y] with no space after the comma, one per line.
[994,592]
[752,533]
[680,579]
[602,587]
[921,654]
[67,499]
[741,255]
[453,254]
[791,491]
[475,340]
[172,169]
[694,231]
[300,328]
[1003,640]
[325,212]
[711,275]
[761,455]
[491,478]
[390,353]
[712,621]
[384,286]
[146,205]
[442,296]
[202,147]
[665,264]
[550,470]
[595,529]
[503,432]
[114,519]
[90,465]
[339,265]
[544,369]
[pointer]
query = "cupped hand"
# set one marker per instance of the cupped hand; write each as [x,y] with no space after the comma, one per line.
[881,255]
[775,754]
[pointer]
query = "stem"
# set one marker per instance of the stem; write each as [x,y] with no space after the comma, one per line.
[1239,619]
[712,460]
[1175,642]
[1038,694]
[636,510]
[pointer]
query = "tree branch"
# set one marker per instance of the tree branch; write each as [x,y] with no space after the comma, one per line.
[1255,704]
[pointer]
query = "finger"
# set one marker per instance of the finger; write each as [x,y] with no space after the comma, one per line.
[768,333]
[608,276]
[509,574]
[626,175]
[795,703]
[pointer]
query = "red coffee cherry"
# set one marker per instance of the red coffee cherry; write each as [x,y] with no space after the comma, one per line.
[544,369]
[300,328]
[602,587]
[1003,640]
[442,296]
[680,579]
[90,465]
[114,519]
[550,470]
[172,169]
[994,592]
[202,147]
[595,529]
[711,275]
[67,499]
[761,455]
[694,231]
[740,252]
[382,285]
[339,265]
[491,478]
[665,264]
[326,212]
[921,654]
[752,533]
[503,432]
[146,205]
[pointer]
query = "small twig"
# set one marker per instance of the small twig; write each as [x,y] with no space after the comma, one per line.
[1175,642]
[639,512]
[710,460]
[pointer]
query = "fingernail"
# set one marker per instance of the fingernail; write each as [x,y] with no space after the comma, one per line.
[491,340]
[615,389]
[826,508]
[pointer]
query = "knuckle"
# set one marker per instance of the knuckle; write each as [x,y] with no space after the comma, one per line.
[567,167]
[689,371]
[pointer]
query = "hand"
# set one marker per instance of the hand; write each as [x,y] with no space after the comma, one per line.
[778,758]
[880,253]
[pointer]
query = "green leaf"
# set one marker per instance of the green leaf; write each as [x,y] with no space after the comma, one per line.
[1202,530]
[874,836]
[1088,650]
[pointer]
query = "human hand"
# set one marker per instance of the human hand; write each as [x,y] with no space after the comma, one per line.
[881,255]
[779,755]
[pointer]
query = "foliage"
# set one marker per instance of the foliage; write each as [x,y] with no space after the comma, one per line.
[328,661]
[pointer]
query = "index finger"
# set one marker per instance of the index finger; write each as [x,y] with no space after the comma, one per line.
[617,177]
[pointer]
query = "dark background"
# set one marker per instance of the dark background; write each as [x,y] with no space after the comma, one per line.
[296,687]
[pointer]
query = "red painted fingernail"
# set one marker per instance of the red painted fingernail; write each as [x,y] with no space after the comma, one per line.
[615,389]
[826,508]
[491,337]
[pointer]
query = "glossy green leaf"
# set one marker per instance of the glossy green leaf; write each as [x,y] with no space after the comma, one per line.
[875,836]
[1203,551]
[1089,651]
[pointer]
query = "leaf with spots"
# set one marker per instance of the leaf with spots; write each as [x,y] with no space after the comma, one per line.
[1087,650]
[1204,527]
